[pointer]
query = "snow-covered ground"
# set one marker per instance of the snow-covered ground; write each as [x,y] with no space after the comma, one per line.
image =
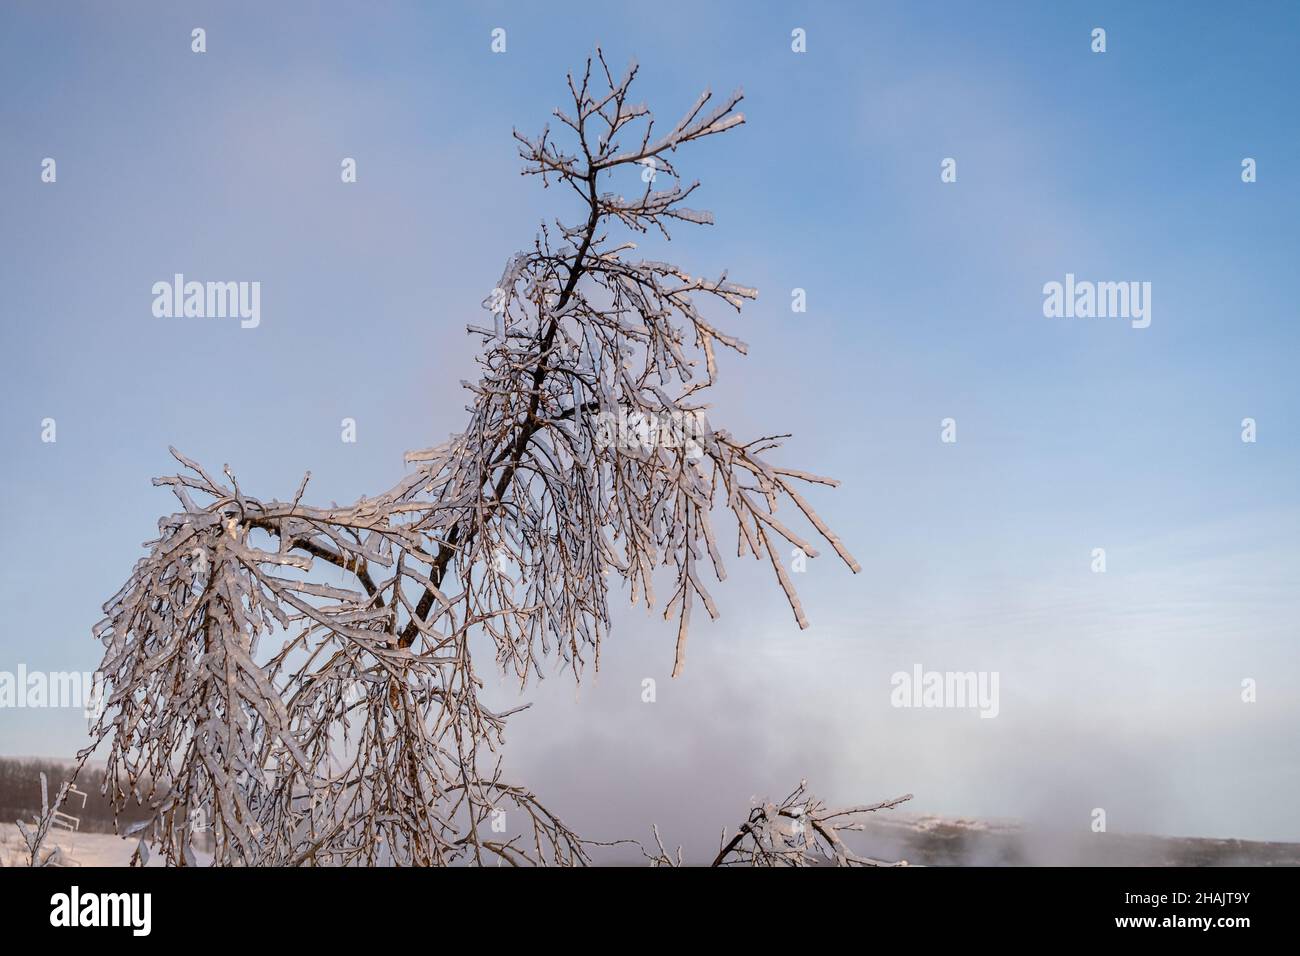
[79,849]
[925,840]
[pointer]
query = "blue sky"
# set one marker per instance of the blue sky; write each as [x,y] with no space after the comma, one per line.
[924,302]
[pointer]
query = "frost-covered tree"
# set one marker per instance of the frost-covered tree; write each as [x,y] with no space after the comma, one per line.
[297,717]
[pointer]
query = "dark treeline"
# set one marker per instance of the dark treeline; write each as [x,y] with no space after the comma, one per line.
[20,794]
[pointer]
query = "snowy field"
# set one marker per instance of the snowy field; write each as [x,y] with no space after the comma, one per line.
[79,849]
[923,840]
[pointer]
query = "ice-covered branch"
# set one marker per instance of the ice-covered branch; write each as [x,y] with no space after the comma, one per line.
[299,677]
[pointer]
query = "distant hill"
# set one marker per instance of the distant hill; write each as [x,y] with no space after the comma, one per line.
[938,841]
[20,792]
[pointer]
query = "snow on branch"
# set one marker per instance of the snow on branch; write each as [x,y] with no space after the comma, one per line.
[300,677]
